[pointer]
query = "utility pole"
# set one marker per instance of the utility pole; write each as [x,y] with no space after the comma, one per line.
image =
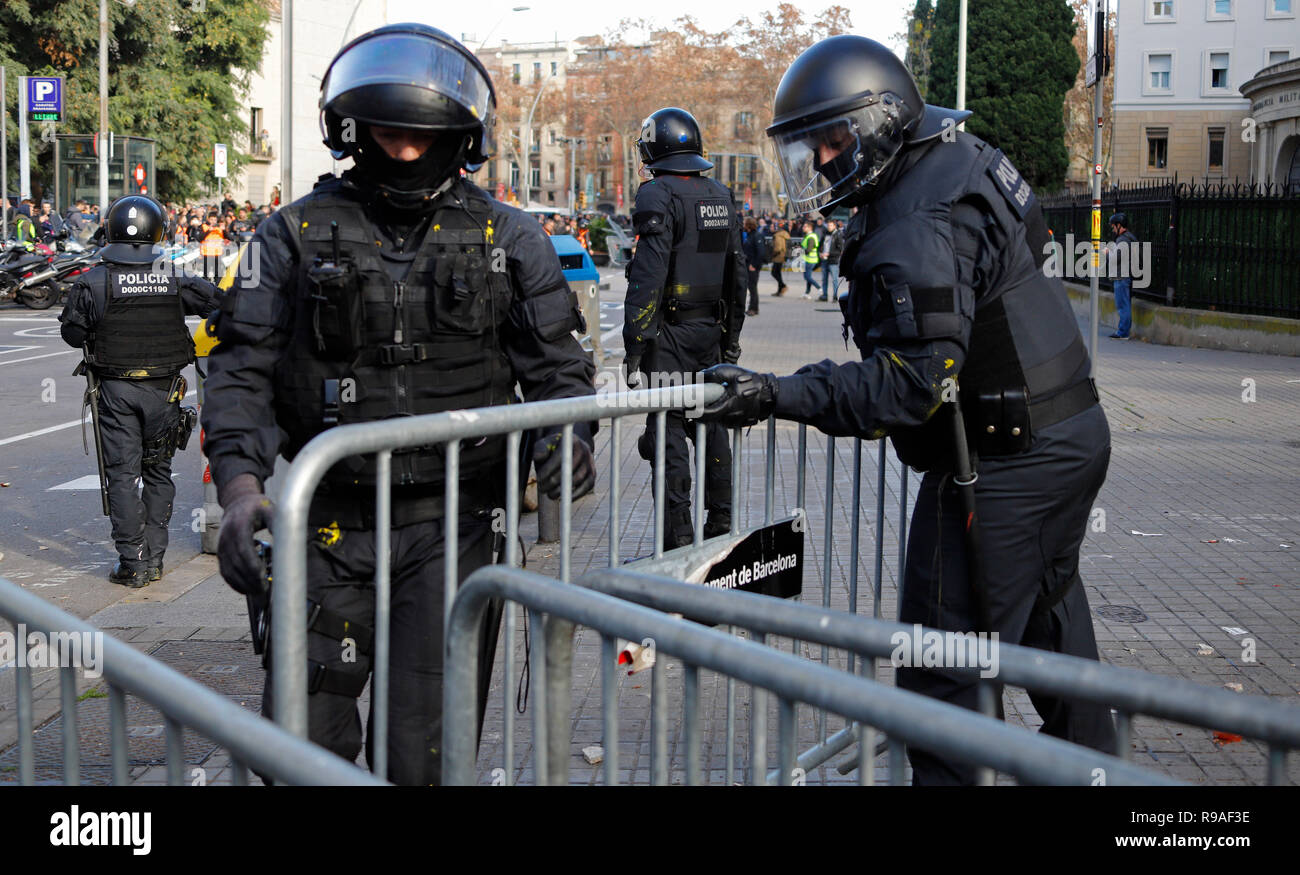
[961,60]
[573,142]
[1101,62]
[4,156]
[103,109]
[286,102]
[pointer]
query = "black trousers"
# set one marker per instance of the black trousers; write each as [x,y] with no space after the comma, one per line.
[131,413]
[340,576]
[1033,511]
[776,273]
[680,352]
[752,277]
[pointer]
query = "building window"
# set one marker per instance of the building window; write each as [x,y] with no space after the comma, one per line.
[744,126]
[1281,8]
[1159,68]
[550,171]
[1157,148]
[537,70]
[550,136]
[1220,9]
[555,68]
[514,174]
[535,176]
[1277,56]
[1160,10]
[1219,70]
[1214,152]
[514,73]
[550,197]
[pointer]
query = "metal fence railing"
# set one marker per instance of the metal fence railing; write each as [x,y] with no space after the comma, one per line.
[907,717]
[761,497]
[251,741]
[1128,692]
[1214,245]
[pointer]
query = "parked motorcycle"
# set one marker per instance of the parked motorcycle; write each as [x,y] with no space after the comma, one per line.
[38,279]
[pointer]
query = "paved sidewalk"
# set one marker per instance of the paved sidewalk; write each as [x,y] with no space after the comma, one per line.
[1196,546]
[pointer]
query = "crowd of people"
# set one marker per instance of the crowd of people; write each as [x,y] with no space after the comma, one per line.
[816,244]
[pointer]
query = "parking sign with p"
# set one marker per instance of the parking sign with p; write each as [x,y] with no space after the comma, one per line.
[45,98]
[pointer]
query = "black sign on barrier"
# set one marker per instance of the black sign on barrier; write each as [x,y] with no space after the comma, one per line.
[769,561]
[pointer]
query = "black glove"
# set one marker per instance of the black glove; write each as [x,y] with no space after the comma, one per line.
[632,365]
[245,511]
[548,456]
[731,354]
[749,398]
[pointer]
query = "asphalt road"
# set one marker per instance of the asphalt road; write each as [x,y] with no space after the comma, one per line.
[53,534]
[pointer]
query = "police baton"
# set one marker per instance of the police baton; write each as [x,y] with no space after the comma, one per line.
[91,399]
[964,478]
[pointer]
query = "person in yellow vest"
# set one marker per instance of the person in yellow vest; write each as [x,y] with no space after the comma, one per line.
[811,257]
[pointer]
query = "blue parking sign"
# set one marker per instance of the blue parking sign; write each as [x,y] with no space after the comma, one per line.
[45,98]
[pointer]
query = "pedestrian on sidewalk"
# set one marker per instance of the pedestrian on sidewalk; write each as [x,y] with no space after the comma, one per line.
[1122,252]
[811,256]
[832,246]
[780,248]
[751,244]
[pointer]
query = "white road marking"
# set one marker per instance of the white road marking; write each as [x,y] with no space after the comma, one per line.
[32,358]
[91,481]
[60,427]
[14,349]
[28,332]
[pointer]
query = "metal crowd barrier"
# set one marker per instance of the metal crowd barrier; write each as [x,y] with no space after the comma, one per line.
[907,717]
[1159,697]
[252,741]
[1128,691]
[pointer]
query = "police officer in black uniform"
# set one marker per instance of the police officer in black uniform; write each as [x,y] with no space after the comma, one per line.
[947,293]
[128,314]
[685,304]
[397,289]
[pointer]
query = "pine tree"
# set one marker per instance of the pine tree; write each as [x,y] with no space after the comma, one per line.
[1020,62]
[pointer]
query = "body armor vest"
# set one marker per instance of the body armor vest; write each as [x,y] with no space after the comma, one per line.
[697,269]
[1025,345]
[365,347]
[142,334]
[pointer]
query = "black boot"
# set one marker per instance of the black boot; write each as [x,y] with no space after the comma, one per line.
[127,576]
[717,523]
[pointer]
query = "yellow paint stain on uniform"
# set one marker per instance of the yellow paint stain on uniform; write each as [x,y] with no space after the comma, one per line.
[947,364]
[304,224]
[329,535]
[490,231]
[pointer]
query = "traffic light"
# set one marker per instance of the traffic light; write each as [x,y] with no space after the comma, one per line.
[582,200]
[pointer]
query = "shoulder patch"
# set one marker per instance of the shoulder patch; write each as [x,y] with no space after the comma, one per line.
[1014,187]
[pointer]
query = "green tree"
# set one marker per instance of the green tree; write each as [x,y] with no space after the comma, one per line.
[1020,63]
[177,71]
[920,30]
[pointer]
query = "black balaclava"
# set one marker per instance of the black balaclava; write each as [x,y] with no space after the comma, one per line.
[410,187]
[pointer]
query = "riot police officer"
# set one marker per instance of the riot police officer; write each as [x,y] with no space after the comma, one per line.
[685,304]
[397,289]
[947,302]
[128,314]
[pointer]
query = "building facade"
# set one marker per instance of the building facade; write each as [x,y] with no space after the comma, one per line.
[1274,135]
[1178,72]
[320,29]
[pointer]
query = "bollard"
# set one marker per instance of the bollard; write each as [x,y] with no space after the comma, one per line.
[548,519]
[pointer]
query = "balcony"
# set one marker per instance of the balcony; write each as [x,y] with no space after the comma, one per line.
[260,149]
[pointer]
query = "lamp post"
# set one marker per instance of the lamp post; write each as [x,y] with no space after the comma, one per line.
[573,144]
[961,60]
[526,182]
[492,29]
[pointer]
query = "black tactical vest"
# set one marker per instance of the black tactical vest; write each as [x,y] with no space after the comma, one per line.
[366,348]
[1024,338]
[697,270]
[142,334]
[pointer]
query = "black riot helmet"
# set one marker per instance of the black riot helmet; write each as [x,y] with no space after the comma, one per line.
[670,142]
[416,77]
[843,110]
[133,226]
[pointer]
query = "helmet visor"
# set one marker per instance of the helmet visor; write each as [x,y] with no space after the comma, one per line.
[412,61]
[827,160]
